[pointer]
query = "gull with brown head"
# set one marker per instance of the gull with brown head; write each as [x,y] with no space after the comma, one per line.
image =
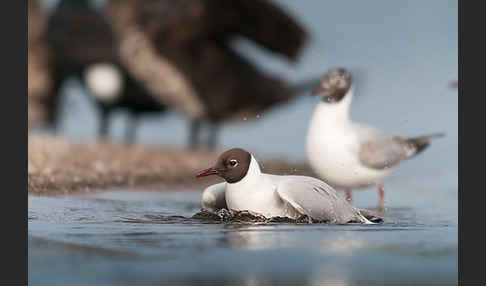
[247,188]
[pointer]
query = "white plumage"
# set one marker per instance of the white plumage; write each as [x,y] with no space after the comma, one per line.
[104,81]
[333,145]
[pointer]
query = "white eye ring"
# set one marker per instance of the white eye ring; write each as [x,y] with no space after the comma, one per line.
[233,163]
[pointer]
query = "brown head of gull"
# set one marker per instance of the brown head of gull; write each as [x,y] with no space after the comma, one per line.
[334,85]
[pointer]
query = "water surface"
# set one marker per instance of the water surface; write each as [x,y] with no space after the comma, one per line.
[149,238]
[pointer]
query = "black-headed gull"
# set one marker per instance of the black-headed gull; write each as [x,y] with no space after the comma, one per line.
[349,155]
[248,189]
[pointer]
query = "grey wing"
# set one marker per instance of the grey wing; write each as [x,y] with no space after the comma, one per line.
[384,151]
[379,151]
[314,198]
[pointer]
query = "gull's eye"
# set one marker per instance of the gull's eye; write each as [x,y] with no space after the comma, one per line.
[233,163]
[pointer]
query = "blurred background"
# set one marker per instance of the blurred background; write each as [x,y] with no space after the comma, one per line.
[403,54]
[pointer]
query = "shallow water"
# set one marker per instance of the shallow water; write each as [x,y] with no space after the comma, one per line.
[128,238]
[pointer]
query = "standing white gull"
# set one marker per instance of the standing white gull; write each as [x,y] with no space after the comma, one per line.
[248,189]
[349,155]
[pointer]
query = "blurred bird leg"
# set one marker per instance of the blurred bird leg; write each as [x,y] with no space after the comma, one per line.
[213,135]
[104,124]
[381,198]
[349,196]
[194,131]
[131,130]
[195,134]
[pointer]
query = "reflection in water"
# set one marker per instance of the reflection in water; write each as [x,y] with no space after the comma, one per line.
[255,239]
[277,237]
[331,282]
[342,243]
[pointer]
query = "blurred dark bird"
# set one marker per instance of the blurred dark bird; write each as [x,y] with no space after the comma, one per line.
[193,38]
[174,54]
[85,47]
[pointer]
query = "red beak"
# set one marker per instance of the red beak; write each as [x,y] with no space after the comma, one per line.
[318,90]
[207,172]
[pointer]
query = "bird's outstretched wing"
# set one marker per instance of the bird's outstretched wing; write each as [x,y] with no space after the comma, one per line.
[319,201]
[387,151]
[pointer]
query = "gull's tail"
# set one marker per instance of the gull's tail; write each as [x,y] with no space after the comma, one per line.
[422,142]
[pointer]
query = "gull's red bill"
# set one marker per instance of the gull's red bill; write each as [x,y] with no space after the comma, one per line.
[207,172]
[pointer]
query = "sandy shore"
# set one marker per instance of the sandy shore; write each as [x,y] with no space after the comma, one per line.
[58,166]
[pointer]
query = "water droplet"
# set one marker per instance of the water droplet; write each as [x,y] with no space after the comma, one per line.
[244,118]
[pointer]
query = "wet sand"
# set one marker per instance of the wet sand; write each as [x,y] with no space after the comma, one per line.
[58,166]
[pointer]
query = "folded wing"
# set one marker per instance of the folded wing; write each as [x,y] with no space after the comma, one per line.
[319,201]
[387,151]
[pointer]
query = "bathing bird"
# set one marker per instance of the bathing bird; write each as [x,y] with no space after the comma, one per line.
[247,188]
[348,154]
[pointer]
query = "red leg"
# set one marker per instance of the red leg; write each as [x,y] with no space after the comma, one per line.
[349,196]
[381,198]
